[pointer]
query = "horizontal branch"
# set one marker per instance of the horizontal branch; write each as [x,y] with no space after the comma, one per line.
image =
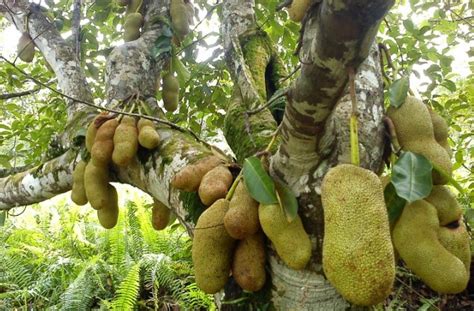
[19,94]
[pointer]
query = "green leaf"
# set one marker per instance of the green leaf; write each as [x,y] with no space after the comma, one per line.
[180,69]
[398,92]
[411,177]
[287,200]
[394,203]
[258,182]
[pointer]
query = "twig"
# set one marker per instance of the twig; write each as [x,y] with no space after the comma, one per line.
[19,94]
[268,104]
[291,73]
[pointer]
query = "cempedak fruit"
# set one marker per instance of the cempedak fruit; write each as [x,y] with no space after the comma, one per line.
[96,184]
[189,178]
[440,129]
[25,48]
[125,141]
[248,266]
[131,27]
[170,92]
[298,9]
[122,2]
[78,193]
[415,133]
[416,238]
[160,215]
[148,137]
[358,256]
[133,6]
[290,240]
[212,249]
[446,205]
[241,221]
[215,184]
[179,12]
[108,214]
[103,147]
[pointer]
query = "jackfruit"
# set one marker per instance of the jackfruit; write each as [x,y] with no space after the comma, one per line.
[103,147]
[416,238]
[215,184]
[91,132]
[170,92]
[290,240]
[241,221]
[415,133]
[148,137]
[189,178]
[25,48]
[440,129]
[446,205]
[96,183]
[358,256]
[298,9]
[131,27]
[133,6]
[78,193]
[108,214]
[212,249]
[179,18]
[248,266]
[125,141]
[456,240]
[160,215]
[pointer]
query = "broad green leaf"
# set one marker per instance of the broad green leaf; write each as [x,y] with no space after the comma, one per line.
[411,177]
[180,69]
[394,203]
[398,92]
[258,182]
[287,200]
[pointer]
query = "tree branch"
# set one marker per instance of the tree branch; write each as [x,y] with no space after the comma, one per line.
[19,94]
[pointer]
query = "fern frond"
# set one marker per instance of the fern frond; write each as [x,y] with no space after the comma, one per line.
[128,290]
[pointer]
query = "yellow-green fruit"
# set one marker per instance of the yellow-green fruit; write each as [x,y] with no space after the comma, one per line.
[133,6]
[298,9]
[212,249]
[122,2]
[92,129]
[170,92]
[416,239]
[160,215]
[131,27]
[148,137]
[179,18]
[215,184]
[125,141]
[189,178]
[96,183]
[446,205]
[440,129]
[241,221]
[108,214]
[358,257]
[248,266]
[189,12]
[455,239]
[25,48]
[415,133]
[78,193]
[290,240]
[103,147]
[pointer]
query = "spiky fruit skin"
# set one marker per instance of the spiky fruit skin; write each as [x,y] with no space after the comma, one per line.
[25,48]
[103,147]
[358,256]
[148,137]
[96,183]
[248,265]
[212,249]
[170,92]
[189,178]
[179,12]
[446,205]
[78,193]
[108,214]
[456,240]
[415,133]
[290,240]
[298,9]
[125,142]
[131,27]
[241,221]
[416,238]
[440,129]
[215,184]
[160,215]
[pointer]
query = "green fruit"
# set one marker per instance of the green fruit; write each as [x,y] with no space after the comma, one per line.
[96,183]
[133,6]
[241,221]
[298,9]
[25,48]
[103,147]
[415,133]
[248,266]
[160,215]
[125,142]
[78,193]
[170,92]
[446,205]
[132,25]
[179,12]
[416,237]
[440,129]
[148,137]
[358,257]
[215,184]
[122,2]
[108,214]
[290,240]
[212,249]
[456,240]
